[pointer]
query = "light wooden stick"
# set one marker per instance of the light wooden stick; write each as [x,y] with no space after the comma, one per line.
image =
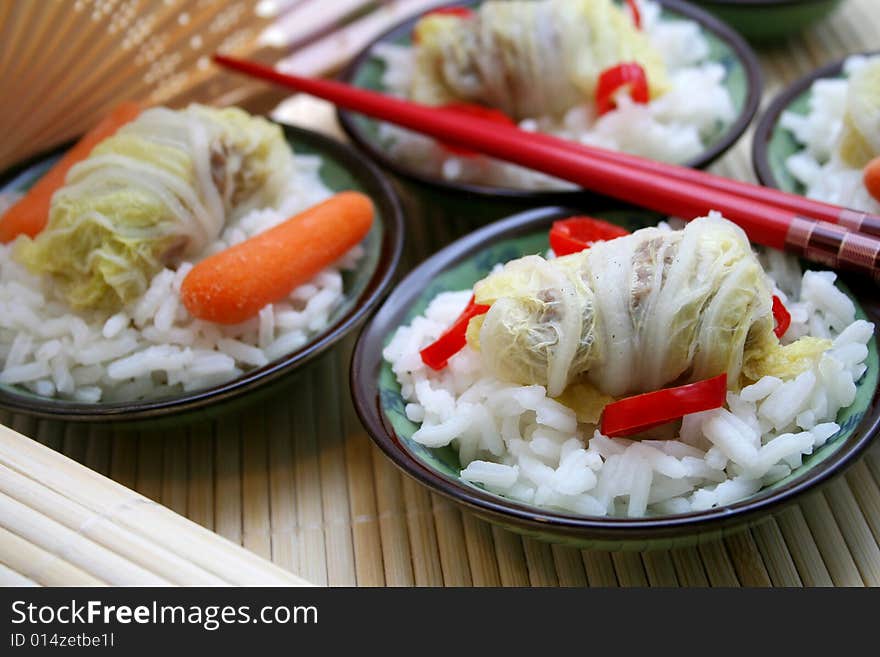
[333,51]
[143,518]
[38,565]
[9,577]
[52,536]
[310,20]
[164,566]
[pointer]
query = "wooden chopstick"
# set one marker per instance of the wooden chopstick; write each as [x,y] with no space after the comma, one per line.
[766,224]
[61,523]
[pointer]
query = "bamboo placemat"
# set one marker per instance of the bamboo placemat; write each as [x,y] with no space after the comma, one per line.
[297,480]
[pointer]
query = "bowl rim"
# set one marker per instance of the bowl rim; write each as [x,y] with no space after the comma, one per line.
[769,120]
[738,44]
[378,188]
[367,361]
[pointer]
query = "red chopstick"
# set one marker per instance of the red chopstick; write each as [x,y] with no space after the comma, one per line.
[853,220]
[652,188]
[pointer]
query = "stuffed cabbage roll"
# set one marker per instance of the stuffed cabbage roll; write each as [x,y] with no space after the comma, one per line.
[528,58]
[632,314]
[160,189]
[860,136]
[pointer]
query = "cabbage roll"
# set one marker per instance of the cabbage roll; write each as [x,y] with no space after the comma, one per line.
[860,136]
[631,314]
[157,191]
[528,58]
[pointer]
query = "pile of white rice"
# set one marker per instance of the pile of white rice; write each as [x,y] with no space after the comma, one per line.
[818,166]
[153,347]
[517,442]
[672,128]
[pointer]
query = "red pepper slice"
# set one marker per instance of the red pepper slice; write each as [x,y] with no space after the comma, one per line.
[635,414]
[460,12]
[629,74]
[782,317]
[437,354]
[480,111]
[636,14]
[579,233]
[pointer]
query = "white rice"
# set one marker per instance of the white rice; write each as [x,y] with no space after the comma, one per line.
[153,347]
[516,442]
[673,127]
[818,166]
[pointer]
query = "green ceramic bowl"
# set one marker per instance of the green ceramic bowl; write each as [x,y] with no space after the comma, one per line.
[766,21]
[342,169]
[772,144]
[381,407]
[434,198]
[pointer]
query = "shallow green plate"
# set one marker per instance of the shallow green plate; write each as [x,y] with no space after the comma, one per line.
[773,144]
[381,407]
[765,21]
[342,169]
[743,80]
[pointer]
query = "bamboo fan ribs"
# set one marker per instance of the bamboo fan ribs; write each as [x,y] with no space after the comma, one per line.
[64,64]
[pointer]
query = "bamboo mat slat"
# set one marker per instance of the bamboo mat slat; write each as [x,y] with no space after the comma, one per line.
[569,566]
[689,567]
[297,480]
[777,560]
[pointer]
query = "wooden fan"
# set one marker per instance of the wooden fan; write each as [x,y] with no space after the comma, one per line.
[65,63]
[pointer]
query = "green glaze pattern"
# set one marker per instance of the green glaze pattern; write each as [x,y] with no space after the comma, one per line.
[445,462]
[337,174]
[764,22]
[782,145]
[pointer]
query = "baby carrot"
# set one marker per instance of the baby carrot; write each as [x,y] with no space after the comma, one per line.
[233,285]
[871,177]
[29,215]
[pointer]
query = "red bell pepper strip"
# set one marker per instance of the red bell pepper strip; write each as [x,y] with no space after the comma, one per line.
[579,233]
[629,74]
[471,109]
[782,317]
[437,354]
[636,14]
[635,414]
[461,12]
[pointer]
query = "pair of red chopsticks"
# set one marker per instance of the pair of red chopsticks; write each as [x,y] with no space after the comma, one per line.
[833,236]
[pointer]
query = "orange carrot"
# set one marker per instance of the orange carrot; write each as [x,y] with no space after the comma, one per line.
[871,176]
[233,285]
[29,215]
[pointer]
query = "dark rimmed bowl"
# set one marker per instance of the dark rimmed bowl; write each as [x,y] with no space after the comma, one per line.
[433,197]
[381,408]
[342,168]
[764,21]
[772,145]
